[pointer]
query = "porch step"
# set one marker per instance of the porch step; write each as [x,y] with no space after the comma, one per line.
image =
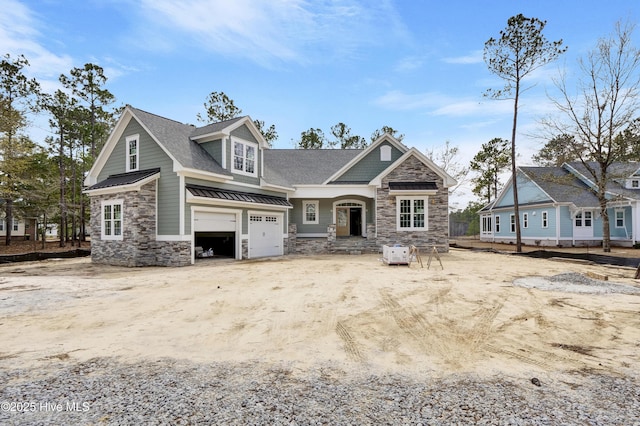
[355,245]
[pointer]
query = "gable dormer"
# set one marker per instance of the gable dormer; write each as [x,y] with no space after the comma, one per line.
[236,144]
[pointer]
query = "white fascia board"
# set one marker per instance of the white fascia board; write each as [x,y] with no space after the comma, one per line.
[192,199]
[109,146]
[220,134]
[199,174]
[267,185]
[122,188]
[447,180]
[333,191]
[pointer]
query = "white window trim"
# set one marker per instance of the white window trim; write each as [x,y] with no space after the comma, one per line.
[129,139]
[111,203]
[496,223]
[512,223]
[426,214]
[244,143]
[305,203]
[615,218]
[544,216]
[525,220]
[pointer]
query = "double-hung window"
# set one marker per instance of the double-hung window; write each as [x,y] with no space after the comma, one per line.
[133,153]
[619,218]
[512,222]
[244,158]
[112,220]
[525,220]
[545,219]
[16,224]
[310,212]
[584,219]
[411,213]
[497,221]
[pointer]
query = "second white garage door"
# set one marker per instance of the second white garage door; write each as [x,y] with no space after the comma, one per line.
[265,235]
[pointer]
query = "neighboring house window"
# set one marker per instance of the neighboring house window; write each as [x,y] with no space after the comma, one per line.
[545,219]
[16,223]
[635,183]
[619,218]
[497,220]
[112,220]
[584,219]
[412,214]
[385,153]
[133,153]
[244,158]
[525,220]
[1,224]
[486,224]
[512,220]
[310,212]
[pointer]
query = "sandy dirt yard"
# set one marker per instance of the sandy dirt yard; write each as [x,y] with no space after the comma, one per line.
[352,311]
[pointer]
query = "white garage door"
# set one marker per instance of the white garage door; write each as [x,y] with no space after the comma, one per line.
[265,235]
[214,222]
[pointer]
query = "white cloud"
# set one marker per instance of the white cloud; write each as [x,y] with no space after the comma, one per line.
[19,35]
[269,32]
[439,104]
[474,57]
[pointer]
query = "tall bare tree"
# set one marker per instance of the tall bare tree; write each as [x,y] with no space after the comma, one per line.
[62,109]
[605,105]
[447,157]
[520,50]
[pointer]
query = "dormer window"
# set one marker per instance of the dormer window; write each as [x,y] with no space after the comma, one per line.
[244,158]
[133,155]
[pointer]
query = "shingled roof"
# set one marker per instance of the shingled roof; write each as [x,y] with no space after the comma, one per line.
[174,136]
[561,185]
[289,167]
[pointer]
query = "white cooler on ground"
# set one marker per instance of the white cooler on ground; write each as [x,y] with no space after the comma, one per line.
[395,255]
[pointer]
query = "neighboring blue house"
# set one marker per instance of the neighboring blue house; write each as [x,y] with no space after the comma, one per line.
[166,193]
[558,208]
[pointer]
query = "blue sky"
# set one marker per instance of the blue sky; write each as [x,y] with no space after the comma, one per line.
[414,65]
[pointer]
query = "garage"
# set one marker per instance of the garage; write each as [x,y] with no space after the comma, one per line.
[265,235]
[215,233]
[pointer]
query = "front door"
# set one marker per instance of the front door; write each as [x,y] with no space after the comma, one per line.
[342,222]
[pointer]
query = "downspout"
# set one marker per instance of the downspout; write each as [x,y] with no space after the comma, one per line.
[558,227]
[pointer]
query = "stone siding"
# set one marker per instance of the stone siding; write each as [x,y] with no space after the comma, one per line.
[138,246]
[437,233]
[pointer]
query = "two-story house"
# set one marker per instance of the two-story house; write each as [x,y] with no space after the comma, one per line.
[166,193]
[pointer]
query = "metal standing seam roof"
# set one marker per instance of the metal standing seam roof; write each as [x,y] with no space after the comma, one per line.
[247,197]
[413,186]
[122,179]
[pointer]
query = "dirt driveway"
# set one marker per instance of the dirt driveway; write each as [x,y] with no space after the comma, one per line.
[350,310]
